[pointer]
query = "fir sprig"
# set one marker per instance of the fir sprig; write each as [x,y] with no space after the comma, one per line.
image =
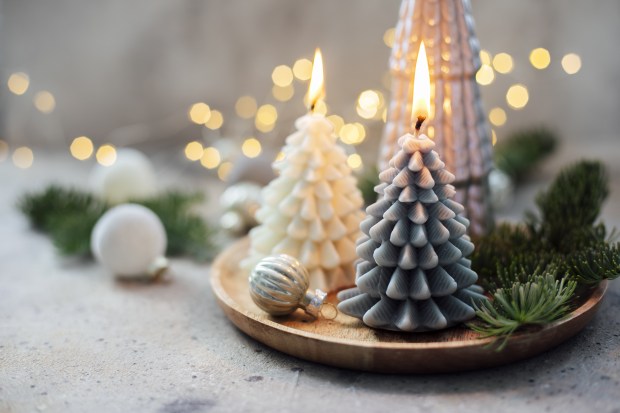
[593,265]
[69,215]
[538,302]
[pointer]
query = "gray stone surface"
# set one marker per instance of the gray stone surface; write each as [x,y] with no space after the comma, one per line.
[74,340]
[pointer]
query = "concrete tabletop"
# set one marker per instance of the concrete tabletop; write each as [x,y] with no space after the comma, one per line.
[72,339]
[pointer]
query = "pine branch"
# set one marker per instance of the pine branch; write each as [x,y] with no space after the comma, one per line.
[522,151]
[537,302]
[367,182]
[69,215]
[593,265]
[570,206]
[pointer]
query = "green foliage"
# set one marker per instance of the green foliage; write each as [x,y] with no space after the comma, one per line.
[520,152]
[69,215]
[539,301]
[535,267]
[367,182]
[568,209]
[595,264]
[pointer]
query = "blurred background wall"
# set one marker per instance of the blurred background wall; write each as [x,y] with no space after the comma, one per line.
[126,72]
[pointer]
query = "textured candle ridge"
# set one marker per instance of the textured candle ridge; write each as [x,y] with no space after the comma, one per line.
[312,210]
[413,274]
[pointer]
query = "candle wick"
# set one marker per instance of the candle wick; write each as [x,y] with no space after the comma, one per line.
[418,123]
[312,105]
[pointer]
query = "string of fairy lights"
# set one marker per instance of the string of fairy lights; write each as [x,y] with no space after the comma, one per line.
[370,106]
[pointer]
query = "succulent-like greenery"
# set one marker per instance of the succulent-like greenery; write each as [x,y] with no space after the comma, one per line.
[69,215]
[520,152]
[540,301]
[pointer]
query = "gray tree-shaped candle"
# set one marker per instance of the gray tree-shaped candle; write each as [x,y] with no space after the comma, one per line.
[413,274]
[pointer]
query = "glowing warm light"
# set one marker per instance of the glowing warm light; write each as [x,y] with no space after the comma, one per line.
[23,157]
[384,115]
[210,158]
[282,76]
[517,96]
[106,155]
[224,170]
[485,57]
[337,121]
[283,94]
[430,131]
[354,161]
[316,90]
[497,116]
[245,107]
[571,63]
[493,137]
[266,117]
[199,113]
[366,113]
[4,150]
[369,100]
[215,120]
[502,63]
[361,131]
[194,151]
[485,75]
[540,58]
[388,37]
[81,148]
[281,155]
[349,134]
[421,87]
[302,69]
[251,147]
[44,101]
[18,83]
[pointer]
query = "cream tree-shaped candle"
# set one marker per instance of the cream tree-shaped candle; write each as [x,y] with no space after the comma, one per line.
[312,210]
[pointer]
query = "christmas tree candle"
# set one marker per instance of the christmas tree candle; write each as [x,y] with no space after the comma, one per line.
[312,210]
[414,274]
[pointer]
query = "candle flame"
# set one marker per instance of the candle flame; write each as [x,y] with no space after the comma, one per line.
[421,89]
[316,90]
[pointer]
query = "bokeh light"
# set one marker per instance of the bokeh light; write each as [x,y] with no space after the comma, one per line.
[354,161]
[517,96]
[18,83]
[199,113]
[571,63]
[337,122]
[540,58]
[251,147]
[4,150]
[502,63]
[210,158]
[246,107]
[194,151]
[266,117]
[81,148]
[493,137]
[281,155]
[485,75]
[215,120]
[283,94]
[485,57]
[44,101]
[106,155]
[224,170]
[497,116]
[23,157]
[388,37]
[282,76]
[302,69]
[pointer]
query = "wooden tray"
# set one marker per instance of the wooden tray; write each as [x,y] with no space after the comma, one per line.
[345,342]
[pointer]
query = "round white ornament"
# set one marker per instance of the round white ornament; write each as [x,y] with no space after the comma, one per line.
[130,177]
[130,241]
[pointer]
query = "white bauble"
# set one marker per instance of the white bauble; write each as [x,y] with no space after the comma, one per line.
[130,177]
[129,240]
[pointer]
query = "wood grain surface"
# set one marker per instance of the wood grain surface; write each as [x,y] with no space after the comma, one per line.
[347,343]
